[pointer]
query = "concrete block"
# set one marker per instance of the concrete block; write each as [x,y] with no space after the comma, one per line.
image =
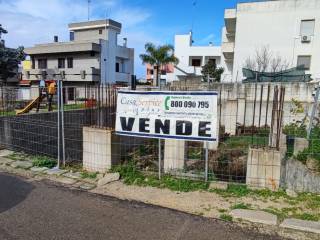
[87,186]
[39,169]
[75,175]
[101,149]
[264,168]
[174,154]
[21,164]
[5,161]
[5,152]
[65,180]
[55,171]
[303,225]
[218,185]
[254,216]
[108,178]
[300,144]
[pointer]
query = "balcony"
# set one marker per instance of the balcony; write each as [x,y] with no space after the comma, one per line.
[227,49]
[188,70]
[230,19]
[71,74]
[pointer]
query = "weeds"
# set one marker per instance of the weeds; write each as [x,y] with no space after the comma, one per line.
[91,175]
[241,206]
[131,175]
[226,217]
[43,161]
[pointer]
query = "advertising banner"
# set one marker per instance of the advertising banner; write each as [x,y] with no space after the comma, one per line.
[185,115]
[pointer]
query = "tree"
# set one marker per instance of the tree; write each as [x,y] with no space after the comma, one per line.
[158,56]
[9,59]
[264,60]
[210,70]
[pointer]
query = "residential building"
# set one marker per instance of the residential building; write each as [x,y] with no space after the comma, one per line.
[289,29]
[91,56]
[165,70]
[192,58]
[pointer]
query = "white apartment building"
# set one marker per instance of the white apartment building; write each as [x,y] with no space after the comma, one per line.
[289,28]
[192,58]
[91,56]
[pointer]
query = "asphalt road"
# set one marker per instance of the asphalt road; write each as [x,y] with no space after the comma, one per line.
[41,210]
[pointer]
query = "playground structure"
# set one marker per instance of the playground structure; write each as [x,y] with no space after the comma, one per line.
[50,89]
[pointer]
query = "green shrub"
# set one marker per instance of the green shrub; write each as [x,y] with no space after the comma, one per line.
[43,161]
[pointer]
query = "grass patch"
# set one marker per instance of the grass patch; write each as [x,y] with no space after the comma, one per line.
[226,217]
[222,210]
[131,175]
[307,216]
[239,190]
[91,175]
[241,206]
[43,161]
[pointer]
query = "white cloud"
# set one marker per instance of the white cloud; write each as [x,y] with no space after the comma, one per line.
[37,21]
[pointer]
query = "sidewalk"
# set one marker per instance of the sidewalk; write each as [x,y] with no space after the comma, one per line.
[244,209]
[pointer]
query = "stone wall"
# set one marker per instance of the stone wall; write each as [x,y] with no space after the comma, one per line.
[298,177]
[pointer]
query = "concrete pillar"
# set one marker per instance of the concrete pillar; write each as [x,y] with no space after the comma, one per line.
[230,118]
[100,149]
[264,168]
[174,155]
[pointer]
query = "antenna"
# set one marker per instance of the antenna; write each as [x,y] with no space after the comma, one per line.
[194,4]
[89,1]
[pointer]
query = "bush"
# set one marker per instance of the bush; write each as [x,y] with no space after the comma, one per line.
[43,161]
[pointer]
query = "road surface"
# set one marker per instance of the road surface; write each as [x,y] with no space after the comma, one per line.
[42,210]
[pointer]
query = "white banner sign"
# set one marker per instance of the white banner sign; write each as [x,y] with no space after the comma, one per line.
[163,114]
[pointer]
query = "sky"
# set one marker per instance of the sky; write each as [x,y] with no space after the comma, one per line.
[36,21]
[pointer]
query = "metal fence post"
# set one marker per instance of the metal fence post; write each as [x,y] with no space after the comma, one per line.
[62,124]
[159,155]
[206,161]
[58,112]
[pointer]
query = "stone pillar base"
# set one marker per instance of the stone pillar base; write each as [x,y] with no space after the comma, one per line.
[100,149]
[174,155]
[263,168]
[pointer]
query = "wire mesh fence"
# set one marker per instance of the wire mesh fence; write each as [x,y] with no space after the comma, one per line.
[253,116]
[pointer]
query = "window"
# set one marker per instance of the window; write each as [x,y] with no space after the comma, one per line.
[150,71]
[61,63]
[163,72]
[212,60]
[71,36]
[100,31]
[117,67]
[92,53]
[33,63]
[196,62]
[304,62]
[307,27]
[70,62]
[42,63]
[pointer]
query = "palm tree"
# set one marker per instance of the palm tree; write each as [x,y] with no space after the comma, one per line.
[158,56]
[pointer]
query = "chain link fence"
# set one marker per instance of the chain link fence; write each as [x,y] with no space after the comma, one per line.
[252,117]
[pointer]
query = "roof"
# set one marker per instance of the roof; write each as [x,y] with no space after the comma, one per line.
[63,47]
[94,24]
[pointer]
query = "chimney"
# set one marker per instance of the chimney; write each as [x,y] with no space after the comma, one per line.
[55,38]
[210,44]
[125,41]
